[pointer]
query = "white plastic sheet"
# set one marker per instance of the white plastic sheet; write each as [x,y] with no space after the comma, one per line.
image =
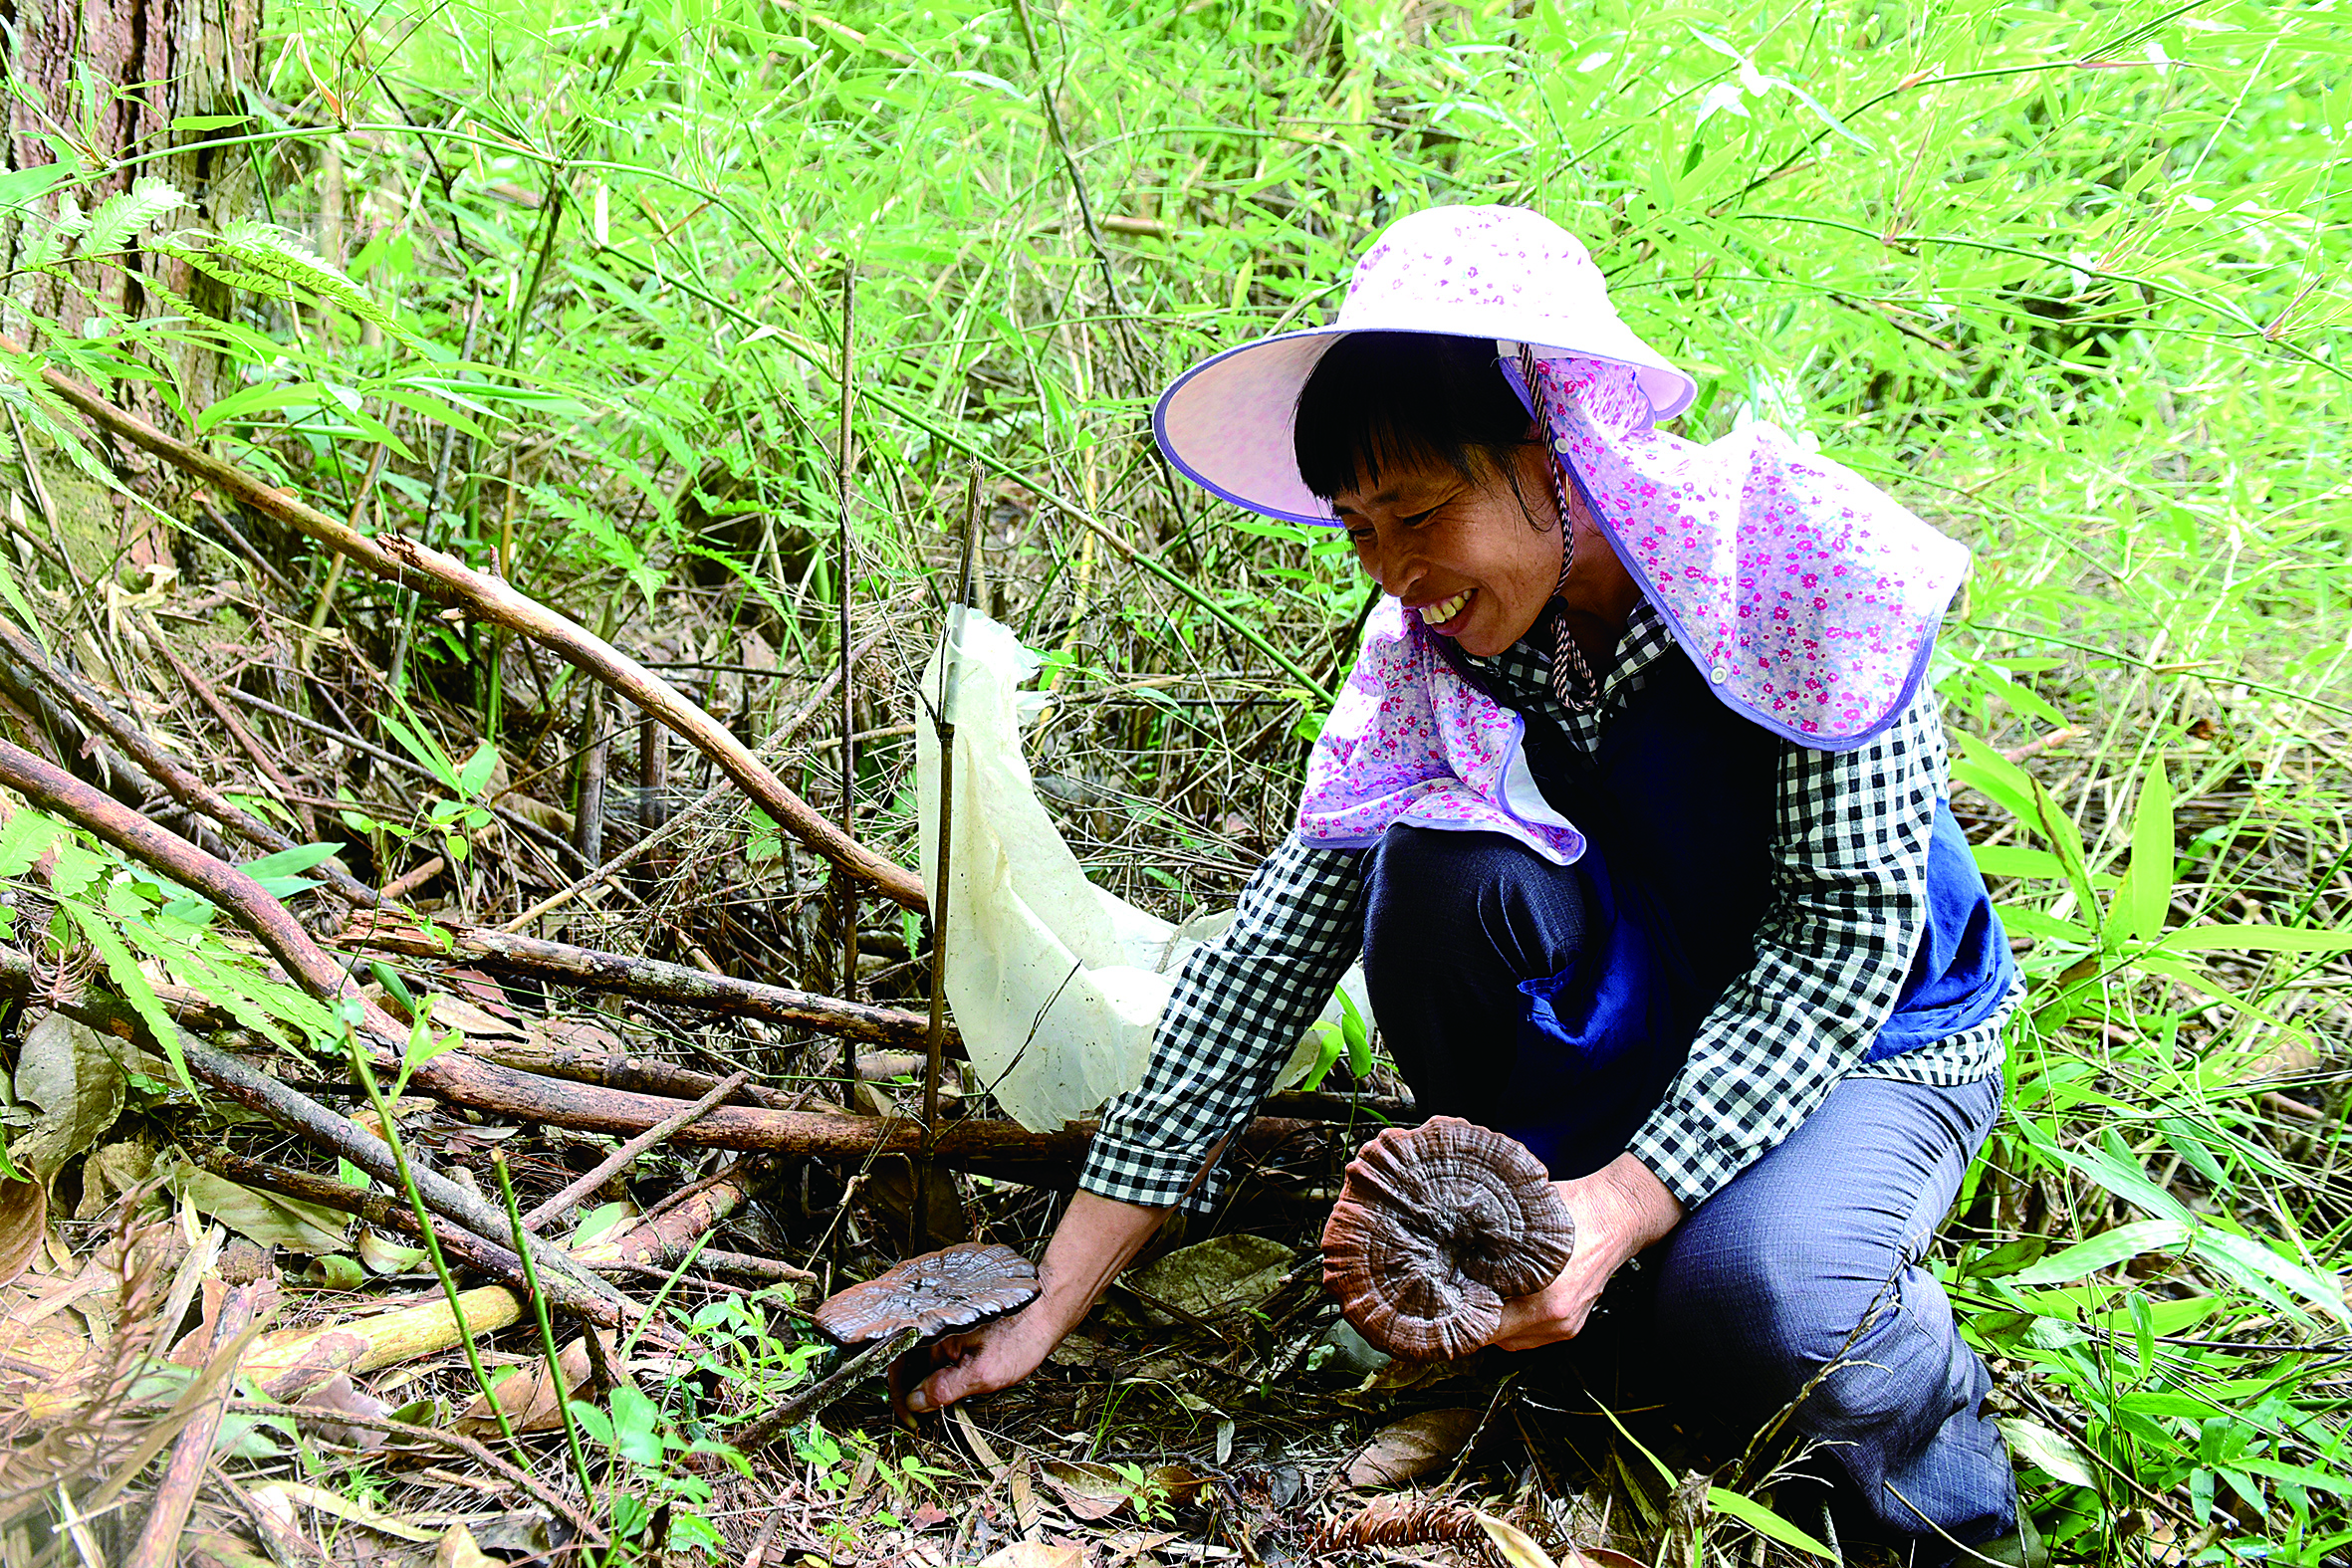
[1056,985]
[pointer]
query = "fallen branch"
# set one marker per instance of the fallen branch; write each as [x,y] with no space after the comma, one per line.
[989,1147]
[292,1362]
[622,1158]
[303,1415]
[96,714]
[755,1435]
[648,980]
[191,1451]
[238,896]
[487,598]
[390,1215]
[321,1128]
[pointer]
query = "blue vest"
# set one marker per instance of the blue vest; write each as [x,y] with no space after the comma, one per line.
[1678,806]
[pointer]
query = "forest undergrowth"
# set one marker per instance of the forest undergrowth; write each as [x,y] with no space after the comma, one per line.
[714,331]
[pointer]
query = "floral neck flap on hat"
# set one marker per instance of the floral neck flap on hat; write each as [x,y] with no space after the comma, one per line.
[1809,596]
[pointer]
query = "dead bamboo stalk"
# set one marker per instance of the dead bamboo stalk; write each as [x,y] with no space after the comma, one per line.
[619,1159]
[588,827]
[419,566]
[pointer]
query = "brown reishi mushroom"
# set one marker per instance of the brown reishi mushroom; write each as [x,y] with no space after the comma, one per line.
[951,1289]
[1436,1227]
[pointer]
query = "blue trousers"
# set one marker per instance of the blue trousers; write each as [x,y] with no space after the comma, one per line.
[1809,1260]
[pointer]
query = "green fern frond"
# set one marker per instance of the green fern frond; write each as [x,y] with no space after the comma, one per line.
[278,265]
[119,220]
[22,392]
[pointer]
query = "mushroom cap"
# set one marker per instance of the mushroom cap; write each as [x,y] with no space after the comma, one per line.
[1435,1228]
[951,1289]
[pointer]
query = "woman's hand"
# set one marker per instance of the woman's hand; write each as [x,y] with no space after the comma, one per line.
[1094,1240]
[979,1361]
[1619,1209]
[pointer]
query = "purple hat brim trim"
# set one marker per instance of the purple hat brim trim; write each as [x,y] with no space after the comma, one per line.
[1176,458]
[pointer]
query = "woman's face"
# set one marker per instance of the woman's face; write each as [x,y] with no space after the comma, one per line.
[1461,552]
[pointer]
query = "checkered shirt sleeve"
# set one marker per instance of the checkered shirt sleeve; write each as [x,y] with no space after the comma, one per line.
[1849,907]
[1238,1009]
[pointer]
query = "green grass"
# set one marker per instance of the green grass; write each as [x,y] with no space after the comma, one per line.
[2065,277]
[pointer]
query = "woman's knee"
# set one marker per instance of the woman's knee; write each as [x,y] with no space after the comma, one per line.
[1432,896]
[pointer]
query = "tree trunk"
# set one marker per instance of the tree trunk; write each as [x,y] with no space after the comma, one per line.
[106,80]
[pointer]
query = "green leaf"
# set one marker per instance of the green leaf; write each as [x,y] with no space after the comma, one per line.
[209,121]
[2104,1251]
[2251,1256]
[2255,939]
[27,838]
[474,777]
[19,186]
[2145,898]
[2053,1452]
[1764,1521]
[132,981]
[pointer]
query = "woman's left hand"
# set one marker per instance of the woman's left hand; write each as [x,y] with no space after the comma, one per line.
[1619,1209]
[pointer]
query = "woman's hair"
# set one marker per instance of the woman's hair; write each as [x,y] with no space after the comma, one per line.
[1385,402]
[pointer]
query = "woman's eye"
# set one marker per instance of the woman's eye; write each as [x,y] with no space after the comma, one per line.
[1418,518]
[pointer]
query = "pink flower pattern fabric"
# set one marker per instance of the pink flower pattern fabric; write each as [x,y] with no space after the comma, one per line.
[1810,597]
[1410,741]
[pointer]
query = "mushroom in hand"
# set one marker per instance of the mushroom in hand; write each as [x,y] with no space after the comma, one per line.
[951,1289]
[1435,1228]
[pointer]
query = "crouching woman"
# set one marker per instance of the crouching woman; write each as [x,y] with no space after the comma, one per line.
[1633,807]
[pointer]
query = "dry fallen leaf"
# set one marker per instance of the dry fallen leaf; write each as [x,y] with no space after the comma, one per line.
[1089,1492]
[528,1395]
[457,1550]
[1031,1554]
[72,1075]
[1519,1549]
[1412,1446]
[261,1217]
[24,1220]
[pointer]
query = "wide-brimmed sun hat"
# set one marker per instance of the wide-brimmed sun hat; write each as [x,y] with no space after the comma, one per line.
[1504,274]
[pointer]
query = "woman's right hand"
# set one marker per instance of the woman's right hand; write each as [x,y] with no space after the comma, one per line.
[978,1361]
[1096,1237]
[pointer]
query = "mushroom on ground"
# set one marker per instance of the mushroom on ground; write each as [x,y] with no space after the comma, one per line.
[1435,1228]
[953,1287]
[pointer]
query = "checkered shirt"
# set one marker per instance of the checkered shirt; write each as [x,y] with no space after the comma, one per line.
[1847,910]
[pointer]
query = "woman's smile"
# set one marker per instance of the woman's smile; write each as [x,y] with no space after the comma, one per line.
[1440,617]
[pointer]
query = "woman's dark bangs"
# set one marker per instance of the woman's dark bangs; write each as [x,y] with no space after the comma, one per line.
[1389,402]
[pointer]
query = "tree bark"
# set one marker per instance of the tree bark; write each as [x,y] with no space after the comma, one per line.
[153,62]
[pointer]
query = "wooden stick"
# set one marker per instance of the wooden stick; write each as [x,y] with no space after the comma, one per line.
[677,822]
[385,1213]
[185,786]
[757,1435]
[191,1451]
[320,1127]
[321,1416]
[410,880]
[53,789]
[619,1159]
[845,896]
[650,979]
[417,565]
[236,726]
[587,828]
[943,726]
